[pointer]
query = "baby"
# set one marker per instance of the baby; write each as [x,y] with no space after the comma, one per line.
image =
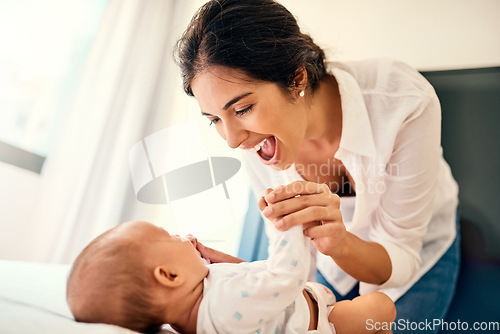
[140,277]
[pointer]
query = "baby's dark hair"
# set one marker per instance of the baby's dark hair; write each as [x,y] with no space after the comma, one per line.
[109,284]
[259,37]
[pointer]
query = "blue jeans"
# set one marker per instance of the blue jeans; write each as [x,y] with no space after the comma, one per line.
[428,299]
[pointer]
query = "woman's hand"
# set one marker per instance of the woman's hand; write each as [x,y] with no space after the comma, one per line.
[211,254]
[317,209]
[311,205]
[194,242]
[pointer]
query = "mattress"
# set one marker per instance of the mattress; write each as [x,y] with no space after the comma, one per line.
[33,300]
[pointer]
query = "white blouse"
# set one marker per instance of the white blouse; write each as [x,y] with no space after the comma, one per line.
[406,197]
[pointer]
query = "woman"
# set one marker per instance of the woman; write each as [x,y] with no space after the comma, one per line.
[357,146]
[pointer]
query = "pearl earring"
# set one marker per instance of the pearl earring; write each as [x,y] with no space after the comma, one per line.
[302,93]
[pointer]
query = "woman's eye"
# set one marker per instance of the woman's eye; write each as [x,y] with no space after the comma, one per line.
[214,121]
[244,111]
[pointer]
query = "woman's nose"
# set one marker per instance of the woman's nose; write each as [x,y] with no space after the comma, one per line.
[234,135]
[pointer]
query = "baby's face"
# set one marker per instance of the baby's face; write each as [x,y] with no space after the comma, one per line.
[161,248]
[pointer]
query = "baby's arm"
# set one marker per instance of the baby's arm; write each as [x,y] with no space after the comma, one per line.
[258,292]
[246,296]
[283,275]
[370,313]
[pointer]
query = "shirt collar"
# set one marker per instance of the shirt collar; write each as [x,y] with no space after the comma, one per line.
[357,136]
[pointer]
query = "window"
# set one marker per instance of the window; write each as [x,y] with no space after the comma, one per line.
[44,44]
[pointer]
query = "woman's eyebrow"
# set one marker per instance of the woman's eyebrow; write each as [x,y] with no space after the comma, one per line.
[236,99]
[230,103]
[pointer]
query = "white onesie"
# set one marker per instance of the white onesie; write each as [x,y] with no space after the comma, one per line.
[262,296]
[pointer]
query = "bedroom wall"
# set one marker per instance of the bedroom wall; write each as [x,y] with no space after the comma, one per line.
[427,34]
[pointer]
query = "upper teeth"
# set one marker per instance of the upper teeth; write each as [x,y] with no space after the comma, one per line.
[258,146]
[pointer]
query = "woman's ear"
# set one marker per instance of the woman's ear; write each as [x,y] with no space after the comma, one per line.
[300,80]
[167,277]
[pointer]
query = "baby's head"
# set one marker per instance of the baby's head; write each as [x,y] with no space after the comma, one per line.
[131,276]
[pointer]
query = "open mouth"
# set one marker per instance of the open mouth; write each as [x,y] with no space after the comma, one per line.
[267,150]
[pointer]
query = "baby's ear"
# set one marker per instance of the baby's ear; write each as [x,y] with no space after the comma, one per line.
[167,277]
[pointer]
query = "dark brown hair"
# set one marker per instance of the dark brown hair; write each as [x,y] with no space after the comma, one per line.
[259,37]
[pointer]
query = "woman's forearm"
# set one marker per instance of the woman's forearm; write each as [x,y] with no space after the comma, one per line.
[216,256]
[365,261]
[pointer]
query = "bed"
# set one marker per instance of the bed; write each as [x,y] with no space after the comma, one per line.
[32,300]
[32,295]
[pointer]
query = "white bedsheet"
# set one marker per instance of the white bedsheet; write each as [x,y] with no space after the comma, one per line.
[33,301]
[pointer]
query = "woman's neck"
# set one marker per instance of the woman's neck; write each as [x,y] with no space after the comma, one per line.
[325,113]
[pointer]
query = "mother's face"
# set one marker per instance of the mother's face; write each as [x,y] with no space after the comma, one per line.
[252,115]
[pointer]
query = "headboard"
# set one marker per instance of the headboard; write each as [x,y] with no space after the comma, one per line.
[470,102]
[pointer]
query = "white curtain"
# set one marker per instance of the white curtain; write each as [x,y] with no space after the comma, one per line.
[129,79]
